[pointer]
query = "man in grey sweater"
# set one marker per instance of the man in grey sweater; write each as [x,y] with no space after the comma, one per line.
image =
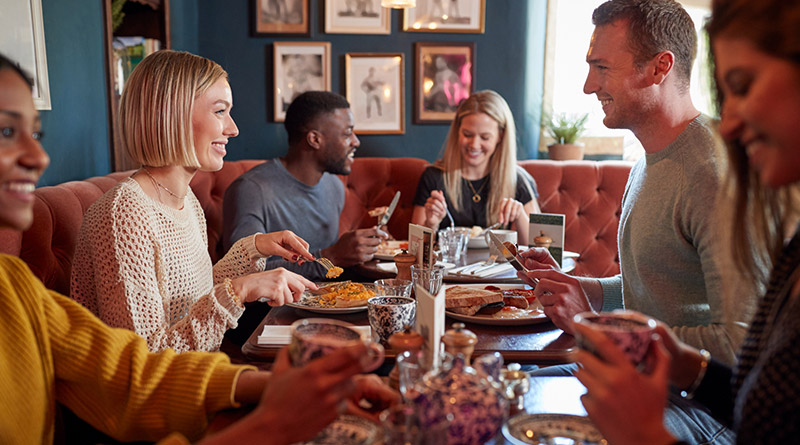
[671,237]
[300,192]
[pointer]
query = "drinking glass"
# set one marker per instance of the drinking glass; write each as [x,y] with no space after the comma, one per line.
[429,278]
[393,287]
[451,244]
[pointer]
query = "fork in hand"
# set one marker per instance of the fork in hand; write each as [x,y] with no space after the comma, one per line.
[331,270]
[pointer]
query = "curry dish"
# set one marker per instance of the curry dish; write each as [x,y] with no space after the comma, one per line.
[349,295]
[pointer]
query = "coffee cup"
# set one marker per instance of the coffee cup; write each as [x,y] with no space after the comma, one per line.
[388,315]
[312,338]
[630,330]
[503,236]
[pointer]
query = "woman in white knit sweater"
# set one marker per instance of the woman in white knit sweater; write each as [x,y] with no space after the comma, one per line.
[141,261]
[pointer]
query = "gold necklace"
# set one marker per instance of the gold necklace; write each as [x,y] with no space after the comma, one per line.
[476,194]
[174,195]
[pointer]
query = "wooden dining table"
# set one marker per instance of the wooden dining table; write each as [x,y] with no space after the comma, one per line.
[539,344]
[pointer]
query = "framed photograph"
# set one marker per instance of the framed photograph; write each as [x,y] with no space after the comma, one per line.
[374,88]
[356,17]
[22,40]
[444,76]
[299,67]
[446,16]
[288,17]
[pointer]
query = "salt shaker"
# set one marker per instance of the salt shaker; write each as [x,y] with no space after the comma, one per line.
[460,340]
[405,340]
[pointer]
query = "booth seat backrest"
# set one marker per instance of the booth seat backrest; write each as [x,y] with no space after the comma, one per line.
[373,183]
[589,194]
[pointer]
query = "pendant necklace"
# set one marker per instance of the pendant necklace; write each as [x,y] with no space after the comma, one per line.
[476,194]
[173,194]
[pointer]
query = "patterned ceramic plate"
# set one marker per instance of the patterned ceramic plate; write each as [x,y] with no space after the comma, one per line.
[347,430]
[310,302]
[561,429]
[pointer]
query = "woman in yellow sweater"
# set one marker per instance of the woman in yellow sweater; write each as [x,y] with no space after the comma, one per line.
[54,351]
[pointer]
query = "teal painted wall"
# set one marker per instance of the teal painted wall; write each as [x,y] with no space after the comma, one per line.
[76,129]
[509,59]
[224,36]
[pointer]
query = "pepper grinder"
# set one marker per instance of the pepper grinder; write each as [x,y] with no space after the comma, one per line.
[405,340]
[460,340]
[403,261]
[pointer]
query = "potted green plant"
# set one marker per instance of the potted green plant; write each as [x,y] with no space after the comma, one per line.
[565,130]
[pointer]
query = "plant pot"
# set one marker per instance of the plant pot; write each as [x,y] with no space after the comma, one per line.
[565,152]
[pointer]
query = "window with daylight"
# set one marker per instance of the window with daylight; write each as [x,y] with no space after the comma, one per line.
[569,29]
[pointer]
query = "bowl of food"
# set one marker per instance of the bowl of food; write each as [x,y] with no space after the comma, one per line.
[476,240]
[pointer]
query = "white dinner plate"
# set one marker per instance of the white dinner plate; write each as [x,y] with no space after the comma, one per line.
[562,429]
[347,430]
[536,315]
[388,249]
[308,302]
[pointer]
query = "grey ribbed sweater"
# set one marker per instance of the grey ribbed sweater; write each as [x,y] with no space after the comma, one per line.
[672,240]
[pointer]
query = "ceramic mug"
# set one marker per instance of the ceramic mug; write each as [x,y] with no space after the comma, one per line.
[503,235]
[388,315]
[630,330]
[316,337]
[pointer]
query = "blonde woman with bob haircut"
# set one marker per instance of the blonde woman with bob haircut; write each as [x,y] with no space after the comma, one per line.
[142,259]
[478,178]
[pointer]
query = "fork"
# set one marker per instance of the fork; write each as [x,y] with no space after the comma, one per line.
[331,271]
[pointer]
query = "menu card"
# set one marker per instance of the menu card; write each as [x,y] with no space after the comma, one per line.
[420,244]
[430,322]
[551,225]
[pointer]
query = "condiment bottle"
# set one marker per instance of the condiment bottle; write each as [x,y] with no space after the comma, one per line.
[405,340]
[460,340]
[403,261]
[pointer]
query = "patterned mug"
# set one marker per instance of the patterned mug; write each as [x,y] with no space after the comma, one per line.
[630,330]
[316,337]
[388,315]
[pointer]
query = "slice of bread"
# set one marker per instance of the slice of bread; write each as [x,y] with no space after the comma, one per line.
[463,296]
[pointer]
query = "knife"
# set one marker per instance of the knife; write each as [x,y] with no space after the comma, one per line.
[390,210]
[510,257]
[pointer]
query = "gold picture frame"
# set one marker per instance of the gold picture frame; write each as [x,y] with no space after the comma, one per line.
[444,75]
[458,16]
[299,67]
[283,17]
[375,88]
[362,17]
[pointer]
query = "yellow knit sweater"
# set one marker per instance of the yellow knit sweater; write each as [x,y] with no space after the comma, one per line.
[54,350]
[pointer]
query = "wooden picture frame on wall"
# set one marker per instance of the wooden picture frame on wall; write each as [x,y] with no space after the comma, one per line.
[280,17]
[444,75]
[460,16]
[22,40]
[374,86]
[299,67]
[357,17]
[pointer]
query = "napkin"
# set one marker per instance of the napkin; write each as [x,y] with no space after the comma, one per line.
[281,335]
[497,269]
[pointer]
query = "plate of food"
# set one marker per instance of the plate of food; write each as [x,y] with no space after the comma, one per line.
[389,248]
[347,430]
[493,304]
[551,428]
[344,297]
